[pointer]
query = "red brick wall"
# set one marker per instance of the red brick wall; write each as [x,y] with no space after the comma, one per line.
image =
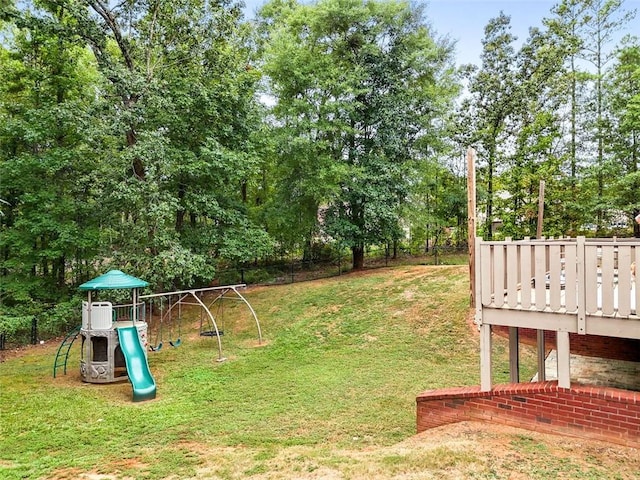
[588,345]
[595,412]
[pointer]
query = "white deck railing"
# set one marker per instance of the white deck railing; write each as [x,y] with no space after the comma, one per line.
[579,276]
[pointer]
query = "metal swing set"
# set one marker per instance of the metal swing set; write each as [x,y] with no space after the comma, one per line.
[166,316]
[168,302]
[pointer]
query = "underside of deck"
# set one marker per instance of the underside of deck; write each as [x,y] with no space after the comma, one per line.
[595,371]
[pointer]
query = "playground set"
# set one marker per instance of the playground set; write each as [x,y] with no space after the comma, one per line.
[115,338]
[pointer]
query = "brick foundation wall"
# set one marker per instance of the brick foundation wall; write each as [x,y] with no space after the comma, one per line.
[595,412]
[589,345]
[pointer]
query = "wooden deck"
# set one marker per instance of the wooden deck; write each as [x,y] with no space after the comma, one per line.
[582,286]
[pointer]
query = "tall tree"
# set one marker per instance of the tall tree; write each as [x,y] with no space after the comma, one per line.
[605,18]
[165,135]
[566,31]
[179,76]
[536,132]
[492,101]
[357,85]
[624,91]
[51,218]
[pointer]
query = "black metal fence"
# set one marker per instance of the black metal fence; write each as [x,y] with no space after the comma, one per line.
[21,334]
[282,271]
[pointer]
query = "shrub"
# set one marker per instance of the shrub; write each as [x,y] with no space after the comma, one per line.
[60,319]
[17,329]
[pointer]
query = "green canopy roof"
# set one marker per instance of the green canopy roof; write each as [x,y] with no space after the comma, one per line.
[113,279]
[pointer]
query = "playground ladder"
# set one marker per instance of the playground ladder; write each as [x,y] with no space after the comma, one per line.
[63,351]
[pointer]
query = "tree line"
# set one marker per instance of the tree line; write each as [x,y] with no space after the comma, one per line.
[169,139]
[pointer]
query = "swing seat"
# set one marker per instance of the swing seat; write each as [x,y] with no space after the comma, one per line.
[177,343]
[156,348]
[211,333]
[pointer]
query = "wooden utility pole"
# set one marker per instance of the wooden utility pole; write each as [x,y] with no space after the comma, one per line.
[540,210]
[471,220]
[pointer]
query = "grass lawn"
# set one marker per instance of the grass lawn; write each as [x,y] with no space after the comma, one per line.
[329,394]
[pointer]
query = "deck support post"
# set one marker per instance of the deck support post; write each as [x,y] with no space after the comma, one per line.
[485,357]
[564,367]
[541,355]
[514,355]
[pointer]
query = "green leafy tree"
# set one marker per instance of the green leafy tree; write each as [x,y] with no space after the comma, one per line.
[624,92]
[587,30]
[146,142]
[492,102]
[179,95]
[356,86]
[566,31]
[50,177]
[605,19]
[536,133]
[565,28]
[436,212]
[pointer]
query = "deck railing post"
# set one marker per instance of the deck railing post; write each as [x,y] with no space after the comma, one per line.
[478,281]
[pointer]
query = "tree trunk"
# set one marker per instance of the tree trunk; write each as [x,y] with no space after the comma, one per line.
[60,272]
[357,252]
[489,220]
[180,213]
[307,253]
[180,219]
[138,166]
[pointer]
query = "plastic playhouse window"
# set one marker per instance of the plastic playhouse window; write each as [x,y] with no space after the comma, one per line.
[100,345]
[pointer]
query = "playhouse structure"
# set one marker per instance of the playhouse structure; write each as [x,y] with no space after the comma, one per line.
[572,295]
[114,337]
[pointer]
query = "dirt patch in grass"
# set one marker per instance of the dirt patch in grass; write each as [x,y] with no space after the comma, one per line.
[463,450]
[19,351]
[75,474]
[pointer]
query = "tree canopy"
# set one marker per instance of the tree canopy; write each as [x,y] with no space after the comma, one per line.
[172,139]
[357,87]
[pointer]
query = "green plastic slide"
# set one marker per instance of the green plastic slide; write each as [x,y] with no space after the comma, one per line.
[144,386]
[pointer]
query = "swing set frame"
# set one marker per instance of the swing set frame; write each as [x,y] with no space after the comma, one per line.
[184,297]
[164,313]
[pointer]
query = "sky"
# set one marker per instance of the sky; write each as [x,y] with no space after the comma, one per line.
[464,20]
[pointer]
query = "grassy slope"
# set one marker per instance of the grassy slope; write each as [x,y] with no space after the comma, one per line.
[330,394]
